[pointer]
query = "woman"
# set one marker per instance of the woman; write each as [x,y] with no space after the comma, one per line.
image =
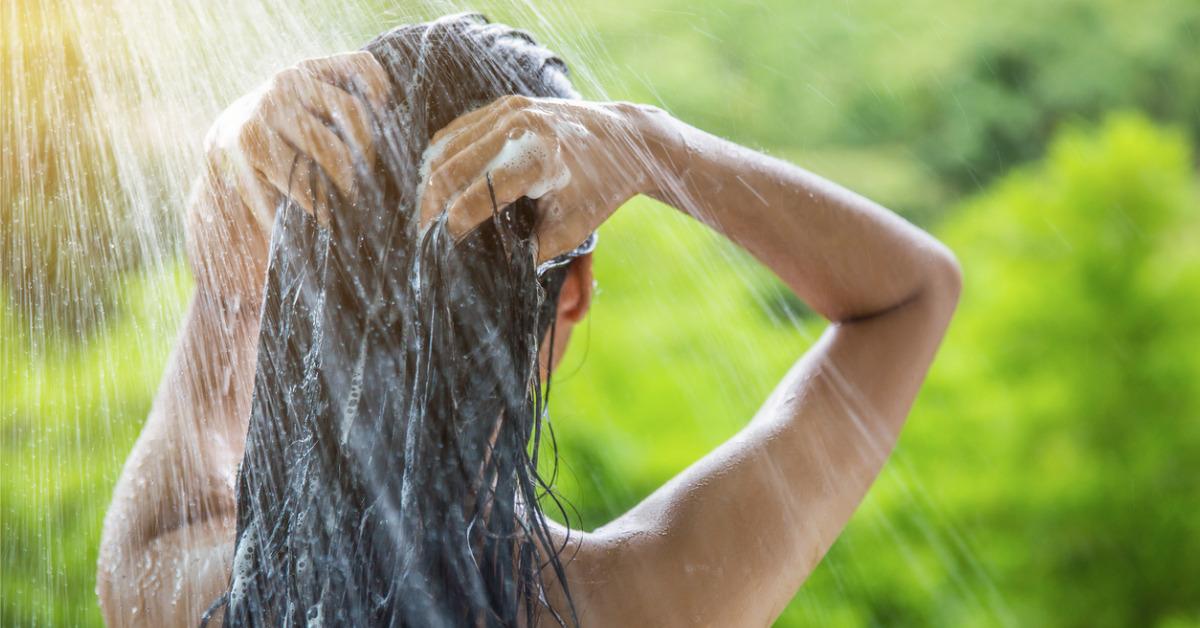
[727,542]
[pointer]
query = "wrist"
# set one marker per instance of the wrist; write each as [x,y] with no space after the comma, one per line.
[226,249]
[669,151]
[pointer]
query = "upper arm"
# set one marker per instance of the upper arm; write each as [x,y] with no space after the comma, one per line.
[169,580]
[731,539]
[168,535]
[167,540]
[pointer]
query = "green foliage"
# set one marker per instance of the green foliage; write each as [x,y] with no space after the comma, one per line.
[638,396]
[1043,480]
[920,102]
[914,104]
[69,414]
[1061,61]
[1072,369]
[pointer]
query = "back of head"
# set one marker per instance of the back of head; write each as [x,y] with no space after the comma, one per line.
[387,478]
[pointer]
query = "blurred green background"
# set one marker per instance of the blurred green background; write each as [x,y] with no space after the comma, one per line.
[1048,474]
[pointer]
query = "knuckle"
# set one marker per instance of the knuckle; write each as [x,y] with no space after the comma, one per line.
[441,182]
[540,124]
[515,101]
[247,140]
[244,141]
[310,65]
[376,73]
[527,118]
[262,109]
[624,107]
[360,60]
[286,79]
[212,144]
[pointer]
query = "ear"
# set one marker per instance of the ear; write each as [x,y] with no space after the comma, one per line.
[575,297]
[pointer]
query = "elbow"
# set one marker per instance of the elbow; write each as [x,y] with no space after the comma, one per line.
[935,290]
[104,595]
[117,606]
[171,580]
[123,561]
[945,278]
[113,580]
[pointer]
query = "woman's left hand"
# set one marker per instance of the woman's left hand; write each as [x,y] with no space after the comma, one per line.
[581,160]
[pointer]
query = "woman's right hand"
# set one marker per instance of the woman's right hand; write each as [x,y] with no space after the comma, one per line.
[266,145]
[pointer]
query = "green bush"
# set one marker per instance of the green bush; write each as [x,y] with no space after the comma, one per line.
[69,413]
[1041,65]
[1072,369]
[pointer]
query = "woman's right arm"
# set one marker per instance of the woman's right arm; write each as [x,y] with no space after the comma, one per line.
[168,535]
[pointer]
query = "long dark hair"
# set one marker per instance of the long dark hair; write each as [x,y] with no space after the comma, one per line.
[390,474]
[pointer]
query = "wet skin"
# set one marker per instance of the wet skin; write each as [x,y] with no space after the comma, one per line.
[729,540]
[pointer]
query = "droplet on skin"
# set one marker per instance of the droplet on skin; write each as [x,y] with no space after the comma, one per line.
[571,129]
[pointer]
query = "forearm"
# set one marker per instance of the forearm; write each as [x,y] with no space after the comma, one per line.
[846,256]
[227,245]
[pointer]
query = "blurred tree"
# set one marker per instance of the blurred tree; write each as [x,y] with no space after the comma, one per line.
[916,104]
[66,232]
[1038,66]
[1069,382]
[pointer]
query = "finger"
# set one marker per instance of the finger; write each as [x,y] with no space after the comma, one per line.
[279,166]
[555,236]
[453,175]
[309,136]
[475,204]
[347,113]
[262,150]
[257,194]
[358,73]
[261,198]
[469,135]
[308,185]
[461,122]
[309,176]
[499,107]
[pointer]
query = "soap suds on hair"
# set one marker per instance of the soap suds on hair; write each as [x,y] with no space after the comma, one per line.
[530,150]
[431,153]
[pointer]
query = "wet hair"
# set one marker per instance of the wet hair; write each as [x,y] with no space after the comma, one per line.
[390,475]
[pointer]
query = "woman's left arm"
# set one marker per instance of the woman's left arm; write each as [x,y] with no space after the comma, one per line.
[735,535]
[729,540]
